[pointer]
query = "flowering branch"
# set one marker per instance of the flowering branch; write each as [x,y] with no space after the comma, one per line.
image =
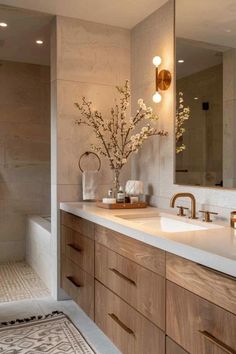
[182,114]
[116,141]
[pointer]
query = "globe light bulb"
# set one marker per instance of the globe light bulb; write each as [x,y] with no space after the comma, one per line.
[156,61]
[156,97]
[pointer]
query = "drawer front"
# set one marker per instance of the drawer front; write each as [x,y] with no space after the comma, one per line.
[209,284]
[79,285]
[197,325]
[130,331]
[149,257]
[78,249]
[173,348]
[141,288]
[84,227]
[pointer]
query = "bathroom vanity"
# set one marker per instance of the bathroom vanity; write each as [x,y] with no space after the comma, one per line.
[151,292]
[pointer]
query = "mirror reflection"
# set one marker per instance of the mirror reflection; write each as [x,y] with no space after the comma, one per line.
[206,93]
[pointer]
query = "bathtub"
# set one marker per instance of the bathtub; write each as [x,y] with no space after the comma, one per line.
[38,246]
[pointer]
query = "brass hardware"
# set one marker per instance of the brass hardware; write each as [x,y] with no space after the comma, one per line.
[233,219]
[74,247]
[181,210]
[207,215]
[122,276]
[121,324]
[87,153]
[163,79]
[217,342]
[71,279]
[188,195]
[217,272]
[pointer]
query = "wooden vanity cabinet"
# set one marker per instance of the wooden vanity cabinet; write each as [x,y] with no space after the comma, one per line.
[77,260]
[145,300]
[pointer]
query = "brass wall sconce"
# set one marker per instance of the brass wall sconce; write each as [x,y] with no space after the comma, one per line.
[163,80]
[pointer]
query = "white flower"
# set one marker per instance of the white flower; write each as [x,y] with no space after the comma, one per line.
[140,102]
[124,161]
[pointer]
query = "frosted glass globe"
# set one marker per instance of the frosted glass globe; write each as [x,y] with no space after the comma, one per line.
[156,61]
[156,97]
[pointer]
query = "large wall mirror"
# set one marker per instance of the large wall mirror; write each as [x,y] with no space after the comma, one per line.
[206,93]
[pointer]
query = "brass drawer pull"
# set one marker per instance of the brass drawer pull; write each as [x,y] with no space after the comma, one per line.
[74,247]
[115,271]
[121,324]
[217,342]
[71,279]
[231,277]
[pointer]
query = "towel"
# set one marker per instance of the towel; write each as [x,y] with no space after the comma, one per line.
[90,182]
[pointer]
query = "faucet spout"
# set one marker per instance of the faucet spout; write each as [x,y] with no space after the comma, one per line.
[188,195]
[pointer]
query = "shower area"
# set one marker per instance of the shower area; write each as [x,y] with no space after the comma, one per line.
[25,182]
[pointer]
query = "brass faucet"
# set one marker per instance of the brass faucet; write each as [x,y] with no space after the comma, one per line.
[193,202]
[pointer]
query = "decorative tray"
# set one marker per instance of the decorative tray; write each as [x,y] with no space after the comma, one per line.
[138,205]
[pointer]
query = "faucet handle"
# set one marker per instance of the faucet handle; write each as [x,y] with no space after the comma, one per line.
[207,215]
[181,210]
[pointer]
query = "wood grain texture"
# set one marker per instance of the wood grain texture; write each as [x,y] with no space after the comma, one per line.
[79,285]
[189,317]
[130,331]
[173,348]
[141,288]
[211,285]
[149,257]
[139,205]
[83,226]
[78,249]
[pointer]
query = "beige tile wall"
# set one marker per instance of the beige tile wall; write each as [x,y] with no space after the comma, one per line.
[24,151]
[88,59]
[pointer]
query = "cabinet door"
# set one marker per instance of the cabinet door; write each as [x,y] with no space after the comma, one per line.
[140,287]
[79,249]
[79,285]
[200,280]
[197,325]
[129,330]
[173,348]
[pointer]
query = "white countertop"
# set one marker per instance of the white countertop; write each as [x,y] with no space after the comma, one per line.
[215,248]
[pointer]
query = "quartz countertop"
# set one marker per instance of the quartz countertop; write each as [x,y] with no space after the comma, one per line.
[213,247]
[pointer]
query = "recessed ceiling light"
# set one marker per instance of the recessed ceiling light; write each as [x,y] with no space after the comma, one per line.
[181,61]
[39,41]
[228,30]
[196,98]
[3,24]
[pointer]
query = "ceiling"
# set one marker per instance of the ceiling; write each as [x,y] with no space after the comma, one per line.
[122,13]
[17,40]
[212,21]
[29,20]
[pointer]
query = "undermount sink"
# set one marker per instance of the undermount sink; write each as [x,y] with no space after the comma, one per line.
[168,223]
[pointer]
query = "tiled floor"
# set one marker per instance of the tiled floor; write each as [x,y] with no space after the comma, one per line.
[19,281]
[25,308]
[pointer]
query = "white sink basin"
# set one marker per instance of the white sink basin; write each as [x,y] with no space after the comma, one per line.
[167,223]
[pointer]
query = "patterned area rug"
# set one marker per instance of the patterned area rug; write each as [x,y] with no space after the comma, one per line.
[19,282]
[53,334]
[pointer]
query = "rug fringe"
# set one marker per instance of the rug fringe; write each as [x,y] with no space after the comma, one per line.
[31,319]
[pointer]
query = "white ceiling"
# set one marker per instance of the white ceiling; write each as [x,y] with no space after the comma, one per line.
[212,21]
[29,20]
[122,13]
[17,41]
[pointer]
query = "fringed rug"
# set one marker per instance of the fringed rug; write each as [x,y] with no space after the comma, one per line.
[19,282]
[51,334]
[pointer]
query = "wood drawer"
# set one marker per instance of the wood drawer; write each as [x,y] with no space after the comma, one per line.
[130,331]
[149,257]
[173,348]
[78,249]
[79,285]
[141,288]
[83,226]
[207,283]
[199,326]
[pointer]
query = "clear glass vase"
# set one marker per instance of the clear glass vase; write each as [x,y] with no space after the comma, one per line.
[116,181]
